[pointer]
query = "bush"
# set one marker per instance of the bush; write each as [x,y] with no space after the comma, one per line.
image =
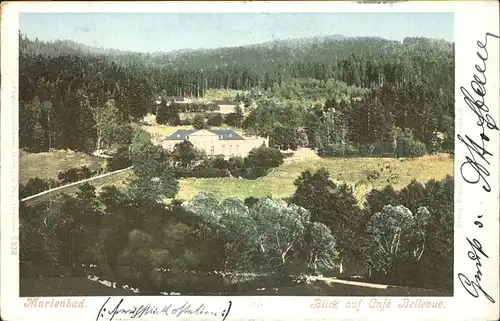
[215,119]
[84,173]
[250,201]
[264,157]
[199,122]
[75,174]
[339,150]
[120,160]
[168,114]
[408,146]
[383,149]
[254,172]
[69,176]
[33,186]
[219,162]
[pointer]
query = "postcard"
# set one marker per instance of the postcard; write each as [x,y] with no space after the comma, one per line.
[250,160]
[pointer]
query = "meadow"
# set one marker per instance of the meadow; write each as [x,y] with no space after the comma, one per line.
[48,164]
[353,171]
[362,174]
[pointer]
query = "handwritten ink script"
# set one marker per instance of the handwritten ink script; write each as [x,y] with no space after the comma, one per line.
[475,167]
[118,310]
[478,151]
[474,287]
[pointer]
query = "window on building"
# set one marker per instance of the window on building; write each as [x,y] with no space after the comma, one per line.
[212,150]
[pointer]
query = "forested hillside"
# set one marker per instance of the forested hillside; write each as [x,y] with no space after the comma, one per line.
[66,87]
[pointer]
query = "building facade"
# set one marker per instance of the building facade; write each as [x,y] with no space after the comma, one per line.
[216,141]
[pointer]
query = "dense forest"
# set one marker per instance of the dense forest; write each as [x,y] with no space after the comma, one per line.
[370,85]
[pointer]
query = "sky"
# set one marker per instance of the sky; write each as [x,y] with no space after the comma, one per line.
[151,32]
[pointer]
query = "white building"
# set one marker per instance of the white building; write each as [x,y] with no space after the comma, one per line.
[216,141]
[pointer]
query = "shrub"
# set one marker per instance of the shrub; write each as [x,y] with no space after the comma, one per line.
[219,162]
[377,199]
[254,172]
[69,176]
[199,122]
[33,186]
[339,150]
[250,201]
[138,238]
[215,119]
[84,173]
[120,160]
[168,114]
[408,146]
[264,157]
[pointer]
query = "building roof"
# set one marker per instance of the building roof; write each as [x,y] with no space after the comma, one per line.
[181,134]
[224,134]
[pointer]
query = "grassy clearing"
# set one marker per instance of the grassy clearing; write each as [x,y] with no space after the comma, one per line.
[279,183]
[47,165]
[353,171]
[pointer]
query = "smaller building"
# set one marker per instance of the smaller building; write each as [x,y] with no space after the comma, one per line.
[215,141]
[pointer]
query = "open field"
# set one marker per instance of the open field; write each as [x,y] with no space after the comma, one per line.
[354,171]
[47,165]
[279,183]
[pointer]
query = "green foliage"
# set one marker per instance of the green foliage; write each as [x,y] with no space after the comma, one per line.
[264,237]
[332,205]
[264,157]
[106,120]
[377,199]
[407,146]
[140,138]
[235,119]
[154,177]
[434,242]
[199,122]
[215,119]
[185,153]
[396,235]
[120,160]
[36,185]
[168,114]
